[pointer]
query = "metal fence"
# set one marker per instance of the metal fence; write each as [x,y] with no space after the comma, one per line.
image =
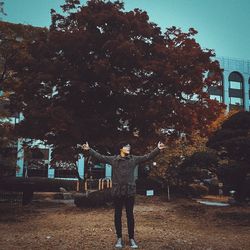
[14,199]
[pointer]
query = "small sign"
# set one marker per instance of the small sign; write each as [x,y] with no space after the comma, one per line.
[220,184]
[150,192]
[51,173]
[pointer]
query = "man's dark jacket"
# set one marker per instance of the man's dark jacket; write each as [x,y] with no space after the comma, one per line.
[123,179]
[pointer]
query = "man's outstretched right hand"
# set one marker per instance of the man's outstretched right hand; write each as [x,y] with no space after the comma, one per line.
[85,146]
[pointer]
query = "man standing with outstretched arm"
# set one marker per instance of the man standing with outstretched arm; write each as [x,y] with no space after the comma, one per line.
[123,184]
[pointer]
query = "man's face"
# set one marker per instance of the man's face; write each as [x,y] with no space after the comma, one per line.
[126,149]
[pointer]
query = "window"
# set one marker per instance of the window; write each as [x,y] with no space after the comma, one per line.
[236,101]
[220,82]
[235,80]
[235,85]
[236,91]
[216,92]
[216,97]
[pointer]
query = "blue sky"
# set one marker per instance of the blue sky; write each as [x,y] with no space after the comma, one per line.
[223,25]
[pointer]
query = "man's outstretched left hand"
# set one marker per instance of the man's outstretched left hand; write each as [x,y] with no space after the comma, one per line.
[161,145]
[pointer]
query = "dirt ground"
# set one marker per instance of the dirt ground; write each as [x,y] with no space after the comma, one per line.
[179,224]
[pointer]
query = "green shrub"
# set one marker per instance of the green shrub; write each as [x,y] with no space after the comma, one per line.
[94,199]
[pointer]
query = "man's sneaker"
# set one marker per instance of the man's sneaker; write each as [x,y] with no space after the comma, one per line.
[133,243]
[118,244]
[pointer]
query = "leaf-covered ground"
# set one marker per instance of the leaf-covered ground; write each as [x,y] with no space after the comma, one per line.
[179,224]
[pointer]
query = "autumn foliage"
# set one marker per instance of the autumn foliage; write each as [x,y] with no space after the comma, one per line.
[103,74]
[178,164]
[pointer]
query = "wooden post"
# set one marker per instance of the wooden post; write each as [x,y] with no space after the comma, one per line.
[168,194]
[77,186]
[86,185]
[100,184]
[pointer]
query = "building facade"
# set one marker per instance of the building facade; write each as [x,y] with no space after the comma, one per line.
[235,80]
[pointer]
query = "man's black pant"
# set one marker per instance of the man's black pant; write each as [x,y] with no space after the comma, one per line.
[129,205]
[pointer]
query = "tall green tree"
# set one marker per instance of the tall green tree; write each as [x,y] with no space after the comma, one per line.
[103,74]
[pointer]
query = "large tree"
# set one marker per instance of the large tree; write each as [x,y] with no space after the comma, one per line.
[103,74]
[7,51]
[11,39]
[184,160]
[232,142]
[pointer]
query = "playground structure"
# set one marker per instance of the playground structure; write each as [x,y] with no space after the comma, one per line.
[53,173]
[94,184]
